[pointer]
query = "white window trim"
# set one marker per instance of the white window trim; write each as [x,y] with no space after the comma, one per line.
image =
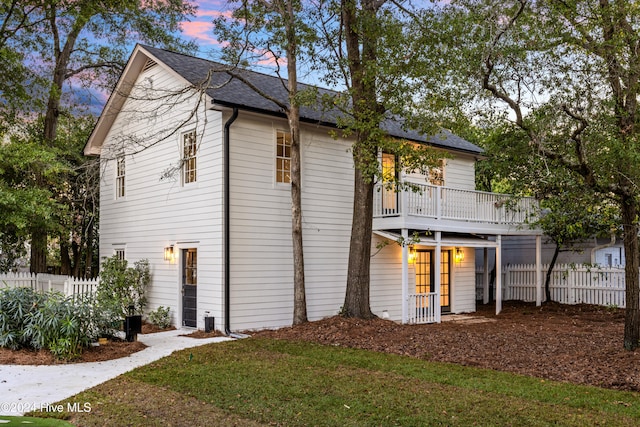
[182,158]
[277,183]
[119,178]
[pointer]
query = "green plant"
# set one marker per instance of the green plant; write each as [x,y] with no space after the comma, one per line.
[64,325]
[160,317]
[122,286]
[16,306]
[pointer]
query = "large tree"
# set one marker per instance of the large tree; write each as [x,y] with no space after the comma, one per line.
[566,74]
[275,31]
[374,49]
[65,44]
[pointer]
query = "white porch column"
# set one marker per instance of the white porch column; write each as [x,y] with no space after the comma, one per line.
[538,271]
[405,277]
[498,274]
[437,257]
[486,276]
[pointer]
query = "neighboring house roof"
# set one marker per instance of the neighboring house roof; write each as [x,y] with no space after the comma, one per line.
[228,91]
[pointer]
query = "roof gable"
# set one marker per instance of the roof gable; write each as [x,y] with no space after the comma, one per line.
[227,91]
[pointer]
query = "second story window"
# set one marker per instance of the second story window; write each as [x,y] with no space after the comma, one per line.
[283,157]
[189,149]
[120,177]
[436,174]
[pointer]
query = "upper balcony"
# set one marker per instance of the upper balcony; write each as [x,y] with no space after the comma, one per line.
[436,208]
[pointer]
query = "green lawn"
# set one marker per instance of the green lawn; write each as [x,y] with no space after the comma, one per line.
[259,381]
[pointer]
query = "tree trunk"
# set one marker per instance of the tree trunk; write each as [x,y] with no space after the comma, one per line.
[547,282]
[361,43]
[300,300]
[38,260]
[293,115]
[65,259]
[631,270]
[356,300]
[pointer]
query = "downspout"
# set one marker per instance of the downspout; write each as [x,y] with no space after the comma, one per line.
[227,216]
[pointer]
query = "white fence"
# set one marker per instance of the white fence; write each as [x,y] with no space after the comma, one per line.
[69,286]
[569,284]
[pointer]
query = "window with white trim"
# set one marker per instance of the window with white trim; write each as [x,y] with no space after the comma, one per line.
[283,157]
[436,174]
[119,253]
[120,177]
[189,160]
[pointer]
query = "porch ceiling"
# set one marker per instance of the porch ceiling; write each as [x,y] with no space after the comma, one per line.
[447,239]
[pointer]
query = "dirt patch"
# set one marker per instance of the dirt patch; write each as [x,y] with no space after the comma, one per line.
[579,344]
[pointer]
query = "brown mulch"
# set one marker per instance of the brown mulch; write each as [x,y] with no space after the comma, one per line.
[203,334]
[113,349]
[580,344]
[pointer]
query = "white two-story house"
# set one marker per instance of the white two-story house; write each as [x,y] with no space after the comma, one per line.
[195,178]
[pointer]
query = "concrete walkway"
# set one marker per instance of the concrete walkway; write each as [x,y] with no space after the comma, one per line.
[27,387]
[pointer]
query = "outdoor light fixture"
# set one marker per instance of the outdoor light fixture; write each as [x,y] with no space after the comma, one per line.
[459,256]
[412,255]
[168,253]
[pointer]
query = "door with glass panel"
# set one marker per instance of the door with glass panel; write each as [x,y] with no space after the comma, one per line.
[189,260]
[425,277]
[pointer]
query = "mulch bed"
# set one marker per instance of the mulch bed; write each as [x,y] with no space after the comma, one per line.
[580,344]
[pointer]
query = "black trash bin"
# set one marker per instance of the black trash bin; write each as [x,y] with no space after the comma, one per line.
[209,323]
[132,325]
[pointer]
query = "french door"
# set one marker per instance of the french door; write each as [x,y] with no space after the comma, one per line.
[425,276]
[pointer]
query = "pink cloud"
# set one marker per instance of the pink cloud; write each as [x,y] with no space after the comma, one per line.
[199,30]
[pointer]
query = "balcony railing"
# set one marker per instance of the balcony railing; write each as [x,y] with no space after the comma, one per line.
[453,204]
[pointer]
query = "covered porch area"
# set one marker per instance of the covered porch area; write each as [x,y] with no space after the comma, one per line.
[436,279]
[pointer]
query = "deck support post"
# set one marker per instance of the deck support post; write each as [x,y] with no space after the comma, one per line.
[405,276]
[485,278]
[436,273]
[538,270]
[498,274]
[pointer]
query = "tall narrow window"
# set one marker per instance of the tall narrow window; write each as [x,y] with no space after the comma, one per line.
[389,194]
[283,157]
[189,148]
[120,175]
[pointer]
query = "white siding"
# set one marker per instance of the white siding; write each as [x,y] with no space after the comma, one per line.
[261,251]
[157,213]
[459,172]
[154,213]
[463,290]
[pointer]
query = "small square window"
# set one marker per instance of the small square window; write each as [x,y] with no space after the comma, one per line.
[119,253]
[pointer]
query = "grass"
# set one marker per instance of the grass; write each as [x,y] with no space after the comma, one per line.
[260,382]
[10,421]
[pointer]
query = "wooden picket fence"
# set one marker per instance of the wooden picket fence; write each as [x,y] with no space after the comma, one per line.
[570,284]
[69,286]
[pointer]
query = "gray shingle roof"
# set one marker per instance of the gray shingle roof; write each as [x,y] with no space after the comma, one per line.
[232,92]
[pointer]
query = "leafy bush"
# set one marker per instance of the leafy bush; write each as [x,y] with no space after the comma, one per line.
[64,325]
[122,286]
[160,317]
[16,306]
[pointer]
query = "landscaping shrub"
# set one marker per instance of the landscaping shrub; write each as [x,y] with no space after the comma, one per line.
[49,320]
[122,286]
[160,317]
